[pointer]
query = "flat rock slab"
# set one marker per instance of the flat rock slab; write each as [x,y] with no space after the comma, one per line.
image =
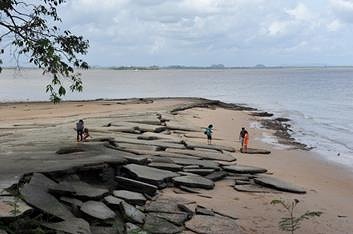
[97,210]
[136,186]
[103,230]
[166,166]
[164,206]
[154,224]
[73,202]
[137,146]
[203,154]
[131,213]
[137,159]
[252,188]
[278,184]
[113,201]
[194,145]
[7,207]
[255,151]
[201,171]
[149,174]
[204,211]
[72,226]
[244,169]
[194,182]
[70,149]
[201,163]
[217,175]
[86,191]
[151,143]
[176,218]
[133,198]
[213,224]
[37,196]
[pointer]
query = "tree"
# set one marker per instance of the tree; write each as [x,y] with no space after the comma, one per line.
[31,27]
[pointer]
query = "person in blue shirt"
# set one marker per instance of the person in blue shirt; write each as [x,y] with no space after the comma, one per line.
[208,133]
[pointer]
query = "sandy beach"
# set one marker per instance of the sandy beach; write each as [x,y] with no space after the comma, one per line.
[30,133]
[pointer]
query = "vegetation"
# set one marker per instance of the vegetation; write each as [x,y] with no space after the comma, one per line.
[292,223]
[31,28]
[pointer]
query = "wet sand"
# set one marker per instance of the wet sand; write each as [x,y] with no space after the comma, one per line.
[30,133]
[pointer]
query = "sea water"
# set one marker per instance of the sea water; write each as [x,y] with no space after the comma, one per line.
[319,101]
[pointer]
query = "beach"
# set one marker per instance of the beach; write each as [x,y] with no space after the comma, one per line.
[31,133]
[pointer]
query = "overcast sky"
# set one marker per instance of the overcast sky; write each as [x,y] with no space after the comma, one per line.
[204,32]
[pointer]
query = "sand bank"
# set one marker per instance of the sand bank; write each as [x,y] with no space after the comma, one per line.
[32,132]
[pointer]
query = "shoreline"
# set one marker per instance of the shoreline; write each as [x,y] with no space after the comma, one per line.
[328,186]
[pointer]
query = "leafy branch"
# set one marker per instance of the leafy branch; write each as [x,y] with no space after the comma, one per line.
[292,223]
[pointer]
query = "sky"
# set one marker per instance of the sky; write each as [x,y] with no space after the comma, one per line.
[205,32]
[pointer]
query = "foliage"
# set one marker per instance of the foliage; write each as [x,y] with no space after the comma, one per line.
[32,28]
[292,223]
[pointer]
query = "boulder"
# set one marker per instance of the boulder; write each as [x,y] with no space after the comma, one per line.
[72,226]
[207,224]
[244,169]
[97,210]
[151,175]
[154,224]
[133,198]
[194,182]
[131,213]
[134,185]
[166,166]
[7,204]
[278,184]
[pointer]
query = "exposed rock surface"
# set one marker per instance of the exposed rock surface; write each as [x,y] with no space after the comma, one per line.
[86,191]
[166,166]
[175,218]
[204,154]
[113,201]
[217,175]
[201,172]
[255,151]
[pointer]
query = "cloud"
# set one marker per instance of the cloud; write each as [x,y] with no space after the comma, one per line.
[203,32]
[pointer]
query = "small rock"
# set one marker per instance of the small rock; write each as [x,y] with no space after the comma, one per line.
[244,169]
[204,211]
[72,201]
[278,184]
[113,201]
[217,175]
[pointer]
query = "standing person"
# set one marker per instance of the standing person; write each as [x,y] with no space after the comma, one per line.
[245,142]
[241,136]
[79,129]
[208,132]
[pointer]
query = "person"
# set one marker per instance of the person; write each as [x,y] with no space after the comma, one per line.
[86,134]
[245,142]
[241,136]
[208,132]
[79,130]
